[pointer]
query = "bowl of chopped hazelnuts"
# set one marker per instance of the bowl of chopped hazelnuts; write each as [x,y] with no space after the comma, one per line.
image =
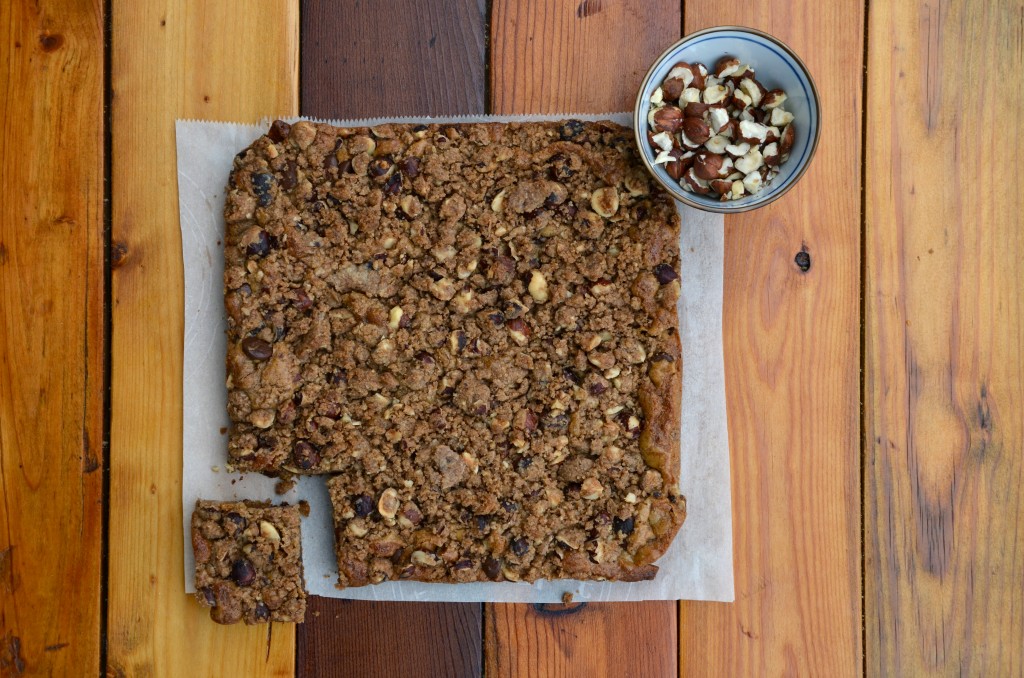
[727,119]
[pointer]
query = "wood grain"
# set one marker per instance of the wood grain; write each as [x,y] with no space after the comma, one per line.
[51,336]
[367,639]
[585,56]
[397,58]
[597,640]
[944,368]
[438,68]
[172,60]
[791,342]
[572,56]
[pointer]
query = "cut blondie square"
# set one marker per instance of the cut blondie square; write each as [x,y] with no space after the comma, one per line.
[249,561]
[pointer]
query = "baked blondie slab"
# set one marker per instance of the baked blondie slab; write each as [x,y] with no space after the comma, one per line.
[473,329]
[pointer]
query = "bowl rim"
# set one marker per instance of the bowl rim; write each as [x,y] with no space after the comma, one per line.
[674,190]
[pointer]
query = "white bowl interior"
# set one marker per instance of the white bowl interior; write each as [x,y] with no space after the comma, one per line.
[775,69]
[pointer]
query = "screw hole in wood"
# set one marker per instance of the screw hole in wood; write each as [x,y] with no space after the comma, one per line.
[803,261]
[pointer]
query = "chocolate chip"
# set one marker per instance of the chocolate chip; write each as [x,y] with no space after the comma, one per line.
[242,572]
[559,169]
[569,209]
[330,162]
[346,168]
[238,521]
[410,167]
[265,442]
[598,387]
[509,506]
[393,185]
[492,568]
[262,612]
[482,522]
[259,247]
[305,455]
[570,374]
[623,525]
[261,185]
[208,596]
[363,505]
[379,167]
[245,290]
[665,274]
[256,348]
[463,564]
[498,318]
[279,131]
[424,357]
[662,356]
[570,129]
[520,546]
[524,463]
[290,176]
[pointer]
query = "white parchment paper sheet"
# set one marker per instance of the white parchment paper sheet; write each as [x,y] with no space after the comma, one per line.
[698,565]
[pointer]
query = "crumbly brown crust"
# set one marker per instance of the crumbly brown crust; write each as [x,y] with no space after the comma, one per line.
[474,327]
[248,561]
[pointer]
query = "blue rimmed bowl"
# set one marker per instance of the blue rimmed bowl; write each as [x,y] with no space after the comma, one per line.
[776,67]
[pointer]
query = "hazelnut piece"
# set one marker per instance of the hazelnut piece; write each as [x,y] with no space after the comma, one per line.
[388,504]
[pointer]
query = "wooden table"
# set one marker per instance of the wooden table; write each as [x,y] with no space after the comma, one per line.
[875,399]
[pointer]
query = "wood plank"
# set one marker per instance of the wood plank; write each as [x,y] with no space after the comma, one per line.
[171,60]
[944,368]
[422,57]
[597,640]
[51,336]
[791,343]
[573,56]
[584,56]
[384,640]
[439,69]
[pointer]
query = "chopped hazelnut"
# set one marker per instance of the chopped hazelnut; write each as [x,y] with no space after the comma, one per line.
[268,531]
[591,489]
[395,317]
[388,504]
[538,287]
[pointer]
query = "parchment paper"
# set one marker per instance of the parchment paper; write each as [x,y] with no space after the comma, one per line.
[698,565]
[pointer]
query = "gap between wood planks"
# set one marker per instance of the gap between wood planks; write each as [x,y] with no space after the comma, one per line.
[108,216]
[863,338]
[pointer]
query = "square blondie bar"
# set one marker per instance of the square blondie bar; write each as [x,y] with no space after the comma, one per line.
[249,561]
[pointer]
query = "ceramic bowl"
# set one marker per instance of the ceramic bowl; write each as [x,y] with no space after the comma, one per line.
[776,67]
